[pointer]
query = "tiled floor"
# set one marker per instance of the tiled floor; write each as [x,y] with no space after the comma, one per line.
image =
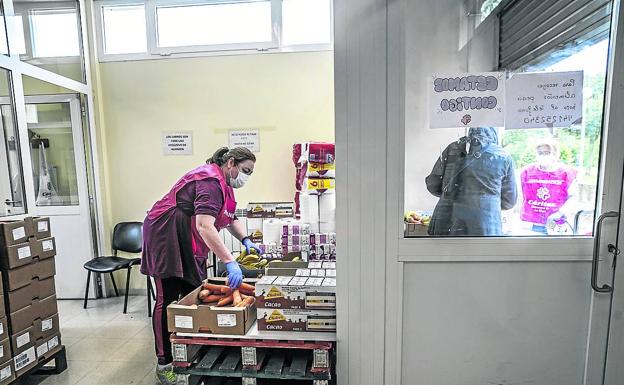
[105,346]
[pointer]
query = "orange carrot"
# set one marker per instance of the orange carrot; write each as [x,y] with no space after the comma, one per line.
[247,287]
[246,302]
[203,294]
[237,297]
[213,298]
[226,300]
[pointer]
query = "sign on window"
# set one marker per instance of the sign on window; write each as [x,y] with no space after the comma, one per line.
[467,100]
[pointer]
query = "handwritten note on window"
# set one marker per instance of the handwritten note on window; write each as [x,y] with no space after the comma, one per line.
[467,100]
[544,100]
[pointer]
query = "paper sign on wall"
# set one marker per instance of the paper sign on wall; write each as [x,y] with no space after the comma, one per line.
[540,100]
[467,100]
[177,143]
[249,138]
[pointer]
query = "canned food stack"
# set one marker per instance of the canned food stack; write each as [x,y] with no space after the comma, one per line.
[29,322]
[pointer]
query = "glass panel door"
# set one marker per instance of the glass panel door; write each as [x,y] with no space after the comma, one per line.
[52,154]
[11,181]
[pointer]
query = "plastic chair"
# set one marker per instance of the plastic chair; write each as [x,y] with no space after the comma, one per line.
[127,237]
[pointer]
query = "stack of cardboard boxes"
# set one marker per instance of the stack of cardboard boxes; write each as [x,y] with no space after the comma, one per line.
[31,322]
[297,297]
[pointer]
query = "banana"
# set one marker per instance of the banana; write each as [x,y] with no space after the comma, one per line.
[251,259]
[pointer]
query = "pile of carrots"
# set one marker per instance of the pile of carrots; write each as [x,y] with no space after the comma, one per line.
[221,295]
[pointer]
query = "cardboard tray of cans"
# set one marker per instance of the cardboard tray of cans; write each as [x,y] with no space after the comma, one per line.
[303,293]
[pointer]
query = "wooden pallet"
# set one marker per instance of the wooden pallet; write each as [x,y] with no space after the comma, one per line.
[267,364]
[60,365]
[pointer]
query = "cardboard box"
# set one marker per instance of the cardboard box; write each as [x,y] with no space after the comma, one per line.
[47,327]
[5,351]
[39,309]
[25,361]
[190,316]
[45,348]
[14,232]
[270,210]
[44,248]
[2,309]
[7,374]
[416,230]
[24,275]
[40,227]
[27,295]
[18,255]
[4,328]
[313,293]
[296,320]
[23,340]
[287,268]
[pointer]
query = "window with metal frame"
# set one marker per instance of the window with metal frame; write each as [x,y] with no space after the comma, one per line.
[195,27]
[532,29]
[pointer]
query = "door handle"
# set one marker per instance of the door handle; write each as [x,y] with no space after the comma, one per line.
[10,202]
[594,278]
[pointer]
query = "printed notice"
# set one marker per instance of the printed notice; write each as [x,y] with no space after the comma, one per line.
[183,322]
[42,227]
[544,100]
[19,233]
[226,320]
[48,245]
[23,340]
[245,138]
[23,252]
[54,342]
[177,143]
[42,349]
[47,325]
[5,373]
[467,100]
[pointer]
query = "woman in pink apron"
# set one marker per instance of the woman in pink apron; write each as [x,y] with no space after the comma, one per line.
[548,187]
[183,227]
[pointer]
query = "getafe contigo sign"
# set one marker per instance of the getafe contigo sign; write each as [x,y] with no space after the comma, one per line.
[467,100]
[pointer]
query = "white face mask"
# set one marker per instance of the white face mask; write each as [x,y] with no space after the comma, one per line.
[239,181]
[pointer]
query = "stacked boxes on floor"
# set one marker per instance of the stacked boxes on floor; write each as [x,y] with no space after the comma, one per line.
[27,252]
[316,195]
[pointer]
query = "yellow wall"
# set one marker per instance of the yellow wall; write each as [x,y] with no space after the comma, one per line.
[289,97]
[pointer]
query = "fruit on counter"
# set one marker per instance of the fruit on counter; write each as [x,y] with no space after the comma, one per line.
[251,261]
[414,217]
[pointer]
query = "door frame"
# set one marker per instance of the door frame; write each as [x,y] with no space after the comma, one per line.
[79,156]
[19,68]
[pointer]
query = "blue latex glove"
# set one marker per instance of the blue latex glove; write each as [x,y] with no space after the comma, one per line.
[250,246]
[235,275]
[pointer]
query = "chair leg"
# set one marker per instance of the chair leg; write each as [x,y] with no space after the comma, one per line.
[149,296]
[127,288]
[153,290]
[87,289]
[114,285]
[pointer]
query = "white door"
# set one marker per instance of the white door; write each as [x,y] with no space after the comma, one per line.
[56,166]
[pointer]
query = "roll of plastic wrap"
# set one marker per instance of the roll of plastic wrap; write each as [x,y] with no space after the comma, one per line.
[309,208]
[327,227]
[272,231]
[327,208]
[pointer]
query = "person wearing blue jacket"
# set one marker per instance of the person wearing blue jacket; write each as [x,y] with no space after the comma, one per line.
[474,179]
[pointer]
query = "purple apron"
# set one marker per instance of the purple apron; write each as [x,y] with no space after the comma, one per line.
[158,263]
[544,192]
